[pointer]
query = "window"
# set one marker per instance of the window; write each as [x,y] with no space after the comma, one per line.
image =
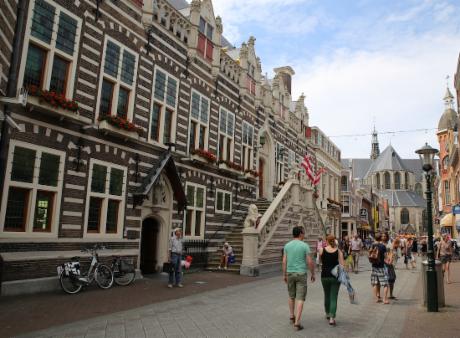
[32,189]
[118,77]
[199,119]
[195,216]
[279,162]
[106,198]
[223,202]
[345,204]
[404,216]
[406,181]
[163,117]
[226,130]
[418,189]
[387,180]
[446,192]
[247,155]
[397,180]
[445,162]
[344,183]
[51,45]
[291,159]
[205,46]
[377,176]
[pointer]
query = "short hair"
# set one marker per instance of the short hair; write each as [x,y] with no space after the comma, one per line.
[378,236]
[297,231]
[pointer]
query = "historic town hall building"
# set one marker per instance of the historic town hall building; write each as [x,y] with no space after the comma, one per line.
[122,120]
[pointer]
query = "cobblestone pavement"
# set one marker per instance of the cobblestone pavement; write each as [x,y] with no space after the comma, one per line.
[257,309]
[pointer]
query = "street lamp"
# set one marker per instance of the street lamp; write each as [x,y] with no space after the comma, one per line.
[427,154]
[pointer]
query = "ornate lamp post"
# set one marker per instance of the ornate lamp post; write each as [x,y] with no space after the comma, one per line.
[427,154]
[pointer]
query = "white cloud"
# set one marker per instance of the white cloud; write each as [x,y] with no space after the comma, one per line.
[401,88]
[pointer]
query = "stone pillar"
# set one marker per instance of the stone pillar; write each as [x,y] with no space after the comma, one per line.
[250,263]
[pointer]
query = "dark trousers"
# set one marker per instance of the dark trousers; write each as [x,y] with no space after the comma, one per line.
[177,269]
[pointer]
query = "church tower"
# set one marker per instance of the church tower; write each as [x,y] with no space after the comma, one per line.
[375,152]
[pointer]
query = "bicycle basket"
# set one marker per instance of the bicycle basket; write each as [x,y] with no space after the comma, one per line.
[126,265]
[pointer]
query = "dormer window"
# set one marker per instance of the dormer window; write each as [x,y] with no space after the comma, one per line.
[205,45]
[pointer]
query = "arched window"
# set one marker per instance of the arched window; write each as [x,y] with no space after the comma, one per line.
[404,216]
[377,176]
[418,189]
[387,180]
[397,180]
[406,181]
[344,183]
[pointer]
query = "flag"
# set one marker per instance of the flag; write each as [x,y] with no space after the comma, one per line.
[306,164]
[317,178]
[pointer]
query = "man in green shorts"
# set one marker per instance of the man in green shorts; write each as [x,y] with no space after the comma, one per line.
[295,259]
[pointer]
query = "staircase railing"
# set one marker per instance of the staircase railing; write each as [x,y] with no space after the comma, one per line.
[274,214]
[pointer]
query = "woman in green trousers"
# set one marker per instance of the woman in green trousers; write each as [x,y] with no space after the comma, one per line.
[330,257]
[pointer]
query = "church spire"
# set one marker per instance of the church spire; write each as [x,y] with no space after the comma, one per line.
[375,145]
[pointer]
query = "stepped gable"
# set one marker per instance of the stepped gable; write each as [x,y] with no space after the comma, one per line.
[401,198]
[388,160]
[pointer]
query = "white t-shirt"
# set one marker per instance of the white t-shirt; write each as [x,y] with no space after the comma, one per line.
[356,244]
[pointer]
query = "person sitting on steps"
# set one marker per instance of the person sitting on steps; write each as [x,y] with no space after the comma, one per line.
[227,252]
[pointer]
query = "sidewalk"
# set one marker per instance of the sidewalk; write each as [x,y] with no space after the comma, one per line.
[257,309]
[22,314]
[445,323]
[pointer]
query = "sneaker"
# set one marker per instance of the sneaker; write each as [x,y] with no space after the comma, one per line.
[218,268]
[170,286]
[225,268]
[180,285]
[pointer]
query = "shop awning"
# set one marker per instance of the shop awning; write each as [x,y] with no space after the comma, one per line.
[167,166]
[448,220]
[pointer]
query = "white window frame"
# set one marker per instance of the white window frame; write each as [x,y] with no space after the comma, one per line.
[198,123]
[195,208]
[224,193]
[164,106]
[51,48]
[227,136]
[106,196]
[117,82]
[291,159]
[247,148]
[279,162]
[33,187]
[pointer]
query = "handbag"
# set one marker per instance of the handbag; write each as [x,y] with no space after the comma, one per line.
[231,259]
[168,267]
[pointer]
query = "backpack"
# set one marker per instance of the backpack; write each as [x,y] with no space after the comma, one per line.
[374,255]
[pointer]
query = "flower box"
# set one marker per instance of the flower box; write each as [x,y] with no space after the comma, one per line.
[203,155]
[251,174]
[57,110]
[108,128]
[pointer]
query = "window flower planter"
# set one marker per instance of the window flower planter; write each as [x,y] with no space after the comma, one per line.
[109,128]
[57,110]
[53,99]
[203,155]
[251,174]
[231,166]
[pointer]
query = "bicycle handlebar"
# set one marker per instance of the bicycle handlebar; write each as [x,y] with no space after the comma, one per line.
[94,248]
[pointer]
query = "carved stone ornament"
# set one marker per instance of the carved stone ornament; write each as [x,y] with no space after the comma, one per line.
[251,218]
[159,192]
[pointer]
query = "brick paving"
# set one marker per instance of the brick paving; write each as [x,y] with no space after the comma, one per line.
[445,323]
[257,309]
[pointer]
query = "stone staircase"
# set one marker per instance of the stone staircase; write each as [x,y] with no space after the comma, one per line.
[235,239]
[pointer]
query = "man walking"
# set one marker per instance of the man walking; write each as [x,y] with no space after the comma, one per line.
[175,257]
[295,258]
[356,247]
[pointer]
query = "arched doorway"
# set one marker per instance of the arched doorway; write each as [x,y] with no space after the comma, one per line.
[149,243]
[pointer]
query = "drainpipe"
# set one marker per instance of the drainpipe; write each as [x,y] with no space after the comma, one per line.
[12,85]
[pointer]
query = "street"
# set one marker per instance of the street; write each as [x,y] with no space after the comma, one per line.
[257,309]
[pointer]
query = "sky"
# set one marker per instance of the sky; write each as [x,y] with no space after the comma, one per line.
[359,62]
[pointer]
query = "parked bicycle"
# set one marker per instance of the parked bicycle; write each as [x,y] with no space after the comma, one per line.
[72,280]
[123,270]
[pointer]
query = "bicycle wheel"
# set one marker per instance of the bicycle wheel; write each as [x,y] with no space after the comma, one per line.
[103,276]
[69,283]
[124,278]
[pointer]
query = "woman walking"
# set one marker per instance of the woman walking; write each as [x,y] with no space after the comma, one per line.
[389,262]
[445,255]
[330,256]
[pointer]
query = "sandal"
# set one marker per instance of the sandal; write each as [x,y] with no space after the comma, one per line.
[298,327]
[332,322]
[386,302]
[379,300]
[292,320]
[393,297]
